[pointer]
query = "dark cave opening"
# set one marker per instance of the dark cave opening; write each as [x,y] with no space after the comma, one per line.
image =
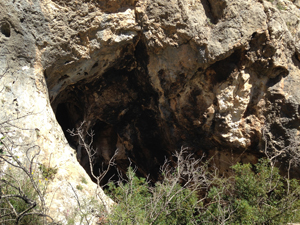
[5,29]
[214,9]
[296,59]
[121,108]
[67,114]
[222,69]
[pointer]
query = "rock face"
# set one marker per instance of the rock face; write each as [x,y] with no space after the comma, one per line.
[218,76]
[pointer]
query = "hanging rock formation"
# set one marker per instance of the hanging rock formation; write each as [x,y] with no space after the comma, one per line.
[218,76]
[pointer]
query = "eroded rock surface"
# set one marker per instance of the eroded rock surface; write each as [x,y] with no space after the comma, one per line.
[218,76]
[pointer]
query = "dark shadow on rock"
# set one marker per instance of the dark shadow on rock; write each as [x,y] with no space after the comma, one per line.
[213,9]
[296,60]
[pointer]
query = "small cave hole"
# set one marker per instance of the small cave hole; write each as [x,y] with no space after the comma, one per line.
[224,68]
[105,64]
[296,59]
[200,69]
[5,29]
[272,81]
[68,62]
[253,35]
[214,10]
[95,65]
[280,71]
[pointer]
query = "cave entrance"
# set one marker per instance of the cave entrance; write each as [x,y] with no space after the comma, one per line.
[121,108]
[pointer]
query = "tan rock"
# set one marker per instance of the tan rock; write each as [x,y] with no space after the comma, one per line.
[147,77]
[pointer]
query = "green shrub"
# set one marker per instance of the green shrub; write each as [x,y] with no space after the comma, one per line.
[79,187]
[140,203]
[280,6]
[253,195]
[22,190]
[83,180]
[47,171]
[15,183]
[132,198]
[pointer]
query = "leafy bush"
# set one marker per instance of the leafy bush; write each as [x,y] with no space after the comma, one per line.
[47,171]
[18,197]
[253,195]
[83,180]
[256,195]
[79,187]
[139,203]
[132,196]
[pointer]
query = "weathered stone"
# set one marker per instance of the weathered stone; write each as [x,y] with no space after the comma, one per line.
[218,76]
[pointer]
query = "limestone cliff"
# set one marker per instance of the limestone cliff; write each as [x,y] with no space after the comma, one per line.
[218,76]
